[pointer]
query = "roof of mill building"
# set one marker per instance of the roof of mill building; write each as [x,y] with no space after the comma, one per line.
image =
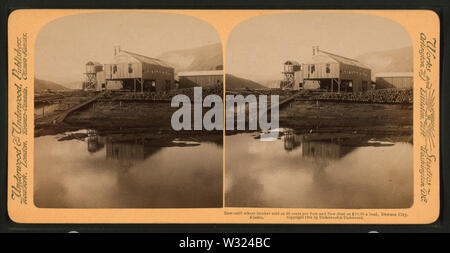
[146,59]
[339,59]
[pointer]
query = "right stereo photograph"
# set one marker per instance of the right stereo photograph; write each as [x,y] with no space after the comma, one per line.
[343,136]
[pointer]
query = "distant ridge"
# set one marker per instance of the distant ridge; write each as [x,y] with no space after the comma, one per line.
[237,83]
[201,58]
[76,85]
[42,85]
[394,60]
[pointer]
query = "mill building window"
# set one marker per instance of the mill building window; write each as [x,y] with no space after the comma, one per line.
[327,68]
[115,69]
[130,68]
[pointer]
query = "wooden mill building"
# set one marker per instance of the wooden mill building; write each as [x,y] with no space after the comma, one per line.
[205,78]
[398,80]
[138,73]
[330,72]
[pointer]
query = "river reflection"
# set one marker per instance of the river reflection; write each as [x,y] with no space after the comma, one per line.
[318,171]
[87,170]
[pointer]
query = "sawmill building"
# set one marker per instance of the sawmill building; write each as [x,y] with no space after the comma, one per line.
[205,78]
[329,72]
[139,73]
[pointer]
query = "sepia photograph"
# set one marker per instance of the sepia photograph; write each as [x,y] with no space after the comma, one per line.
[214,116]
[344,89]
[103,88]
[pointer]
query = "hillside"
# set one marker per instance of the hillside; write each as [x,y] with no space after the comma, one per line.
[272,83]
[41,85]
[395,60]
[75,85]
[236,83]
[201,58]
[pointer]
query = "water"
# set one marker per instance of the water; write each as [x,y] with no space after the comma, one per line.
[318,171]
[297,171]
[93,171]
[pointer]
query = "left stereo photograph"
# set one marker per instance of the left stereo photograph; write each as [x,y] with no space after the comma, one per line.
[103,112]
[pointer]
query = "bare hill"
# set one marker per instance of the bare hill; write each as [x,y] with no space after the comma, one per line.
[236,83]
[201,58]
[75,85]
[395,60]
[41,85]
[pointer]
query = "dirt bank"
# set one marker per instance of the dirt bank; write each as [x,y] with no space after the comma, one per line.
[319,116]
[123,117]
[302,116]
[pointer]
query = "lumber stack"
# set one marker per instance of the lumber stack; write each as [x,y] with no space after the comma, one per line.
[391,96]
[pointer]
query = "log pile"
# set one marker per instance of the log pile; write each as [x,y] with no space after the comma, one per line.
[162,95]
[391,96]
[190,92]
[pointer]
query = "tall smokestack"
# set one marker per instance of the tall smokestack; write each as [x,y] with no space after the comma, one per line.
[116,49]
[315,50]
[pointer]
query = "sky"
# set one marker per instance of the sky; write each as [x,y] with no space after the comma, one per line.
[65,45]
[257,48]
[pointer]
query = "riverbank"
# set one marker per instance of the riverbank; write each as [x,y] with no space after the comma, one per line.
[305,113]
[302,116]
[320,116]
[123,117]
[115,111]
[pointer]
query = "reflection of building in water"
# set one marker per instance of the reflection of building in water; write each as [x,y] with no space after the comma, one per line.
[292,141]
[325,151]
[129,150]
[95,143]
[120,150]
[328,149]
[322,153]
[129,153]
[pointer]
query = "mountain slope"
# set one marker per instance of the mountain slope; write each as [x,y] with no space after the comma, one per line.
[201,58]
[235,83]
[271,83]
[395,60]
[75,85]
[41,85]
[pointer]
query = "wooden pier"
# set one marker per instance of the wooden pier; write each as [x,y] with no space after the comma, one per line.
[60,117]
[286,101]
